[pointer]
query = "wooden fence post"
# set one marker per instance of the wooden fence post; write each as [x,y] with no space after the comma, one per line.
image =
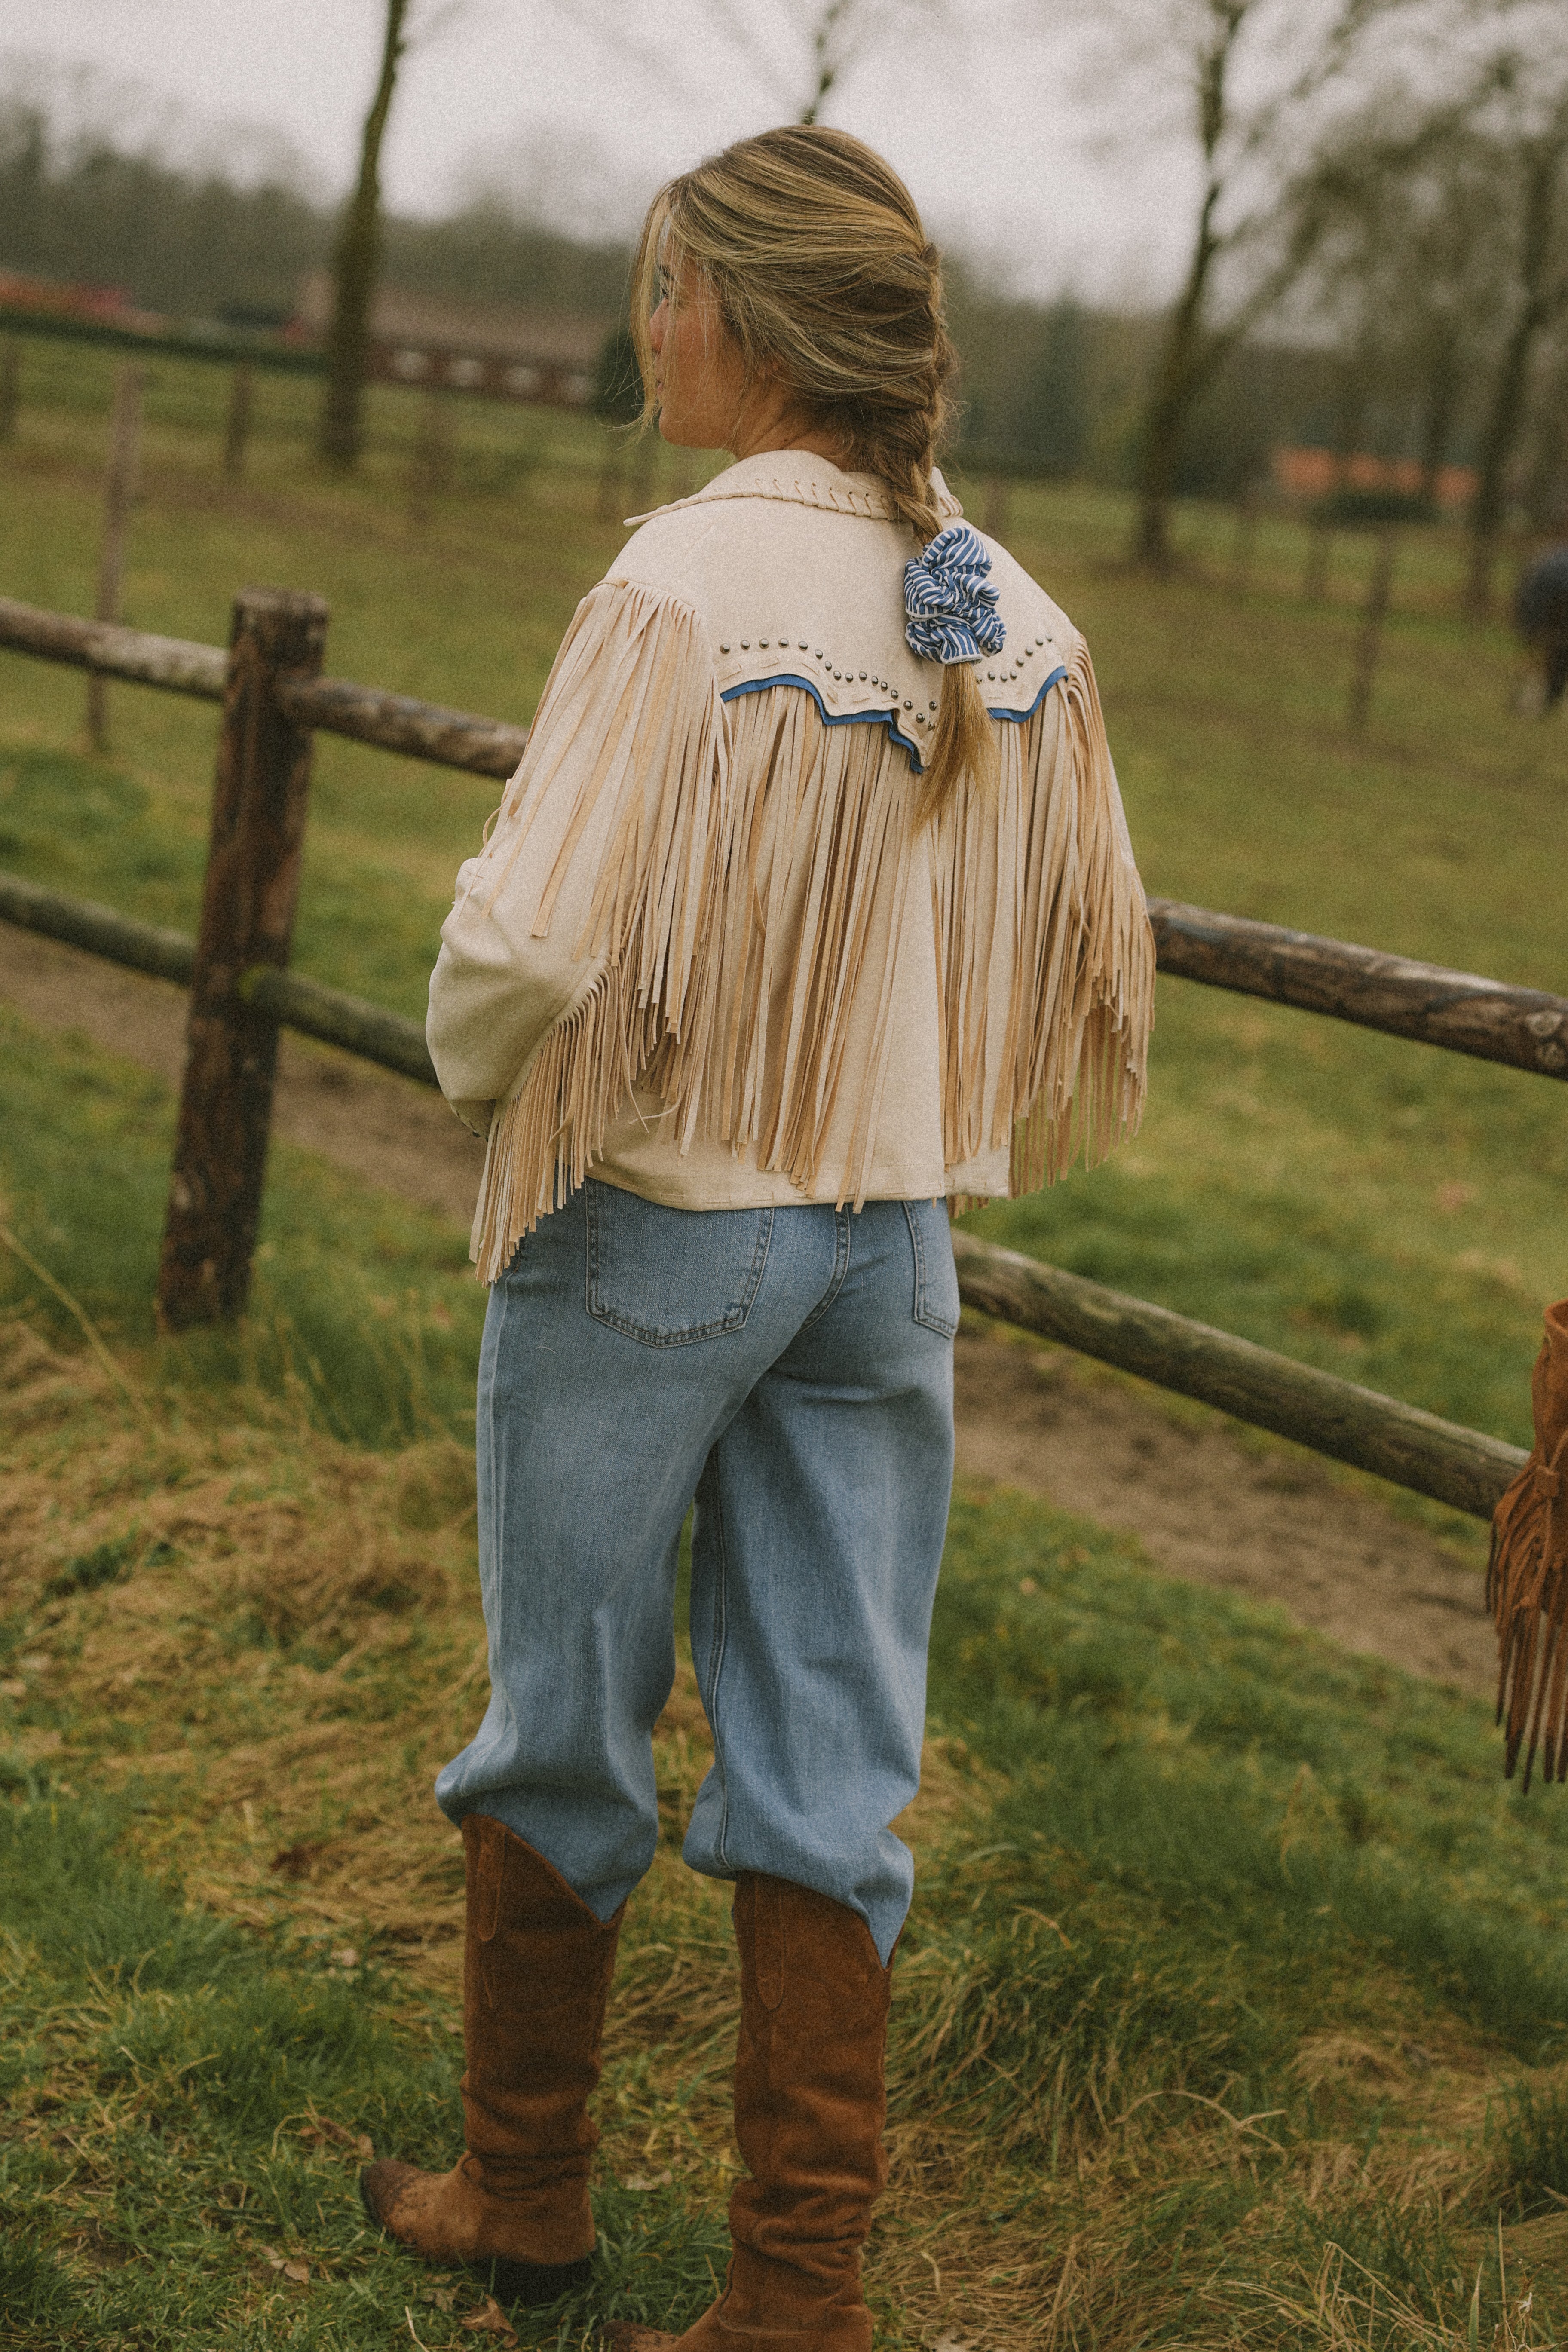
[10,384]
[119,489]
[236,424]
[1369,644]
[248,920]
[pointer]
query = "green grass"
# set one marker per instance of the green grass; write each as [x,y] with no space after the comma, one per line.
[1101,1999]
[1258,1788]
[1196,1838]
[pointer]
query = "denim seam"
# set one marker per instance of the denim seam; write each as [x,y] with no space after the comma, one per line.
[837,1279]
[495,1639]
[721,1627]
[732,1321]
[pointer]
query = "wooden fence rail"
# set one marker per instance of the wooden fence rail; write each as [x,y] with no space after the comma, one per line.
[309,1006]
[1523,1028]
[274,700]
[1398,1442]
[332,706]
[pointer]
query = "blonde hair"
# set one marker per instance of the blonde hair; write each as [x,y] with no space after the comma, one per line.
[823,273]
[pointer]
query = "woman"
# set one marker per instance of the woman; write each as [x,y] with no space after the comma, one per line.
[810,903]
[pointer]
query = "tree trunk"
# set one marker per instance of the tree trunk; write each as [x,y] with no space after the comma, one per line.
[1488,505]
[355,263]
[1546,495]
[1177,378]
[1506,413]
[1442,393]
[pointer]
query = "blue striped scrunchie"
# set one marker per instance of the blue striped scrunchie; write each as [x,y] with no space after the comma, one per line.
[952,606]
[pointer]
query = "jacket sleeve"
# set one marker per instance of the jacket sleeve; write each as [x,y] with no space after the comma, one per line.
[598,849]
[579,949]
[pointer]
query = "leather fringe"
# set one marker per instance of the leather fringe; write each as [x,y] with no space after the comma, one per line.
[663,764]
[1527,1592]
[1058,1065]
[817,853]
[748,909]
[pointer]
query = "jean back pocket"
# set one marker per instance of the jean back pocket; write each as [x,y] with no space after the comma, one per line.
[936,1275]
[668,1276]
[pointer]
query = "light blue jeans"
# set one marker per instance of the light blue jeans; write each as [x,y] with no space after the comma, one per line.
[791,1367]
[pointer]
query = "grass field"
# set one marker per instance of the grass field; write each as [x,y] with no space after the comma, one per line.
[1234,2009]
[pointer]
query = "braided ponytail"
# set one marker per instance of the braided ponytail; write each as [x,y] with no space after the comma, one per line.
[822,271]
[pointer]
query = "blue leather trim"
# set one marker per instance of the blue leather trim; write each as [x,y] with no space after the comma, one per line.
[875,718]
[1019,716]
[829,718]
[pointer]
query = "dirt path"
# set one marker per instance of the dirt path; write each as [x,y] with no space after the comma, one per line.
[1205,1505]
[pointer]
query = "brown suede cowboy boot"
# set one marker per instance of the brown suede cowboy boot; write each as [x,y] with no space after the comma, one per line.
[809,2109]
[536,1976]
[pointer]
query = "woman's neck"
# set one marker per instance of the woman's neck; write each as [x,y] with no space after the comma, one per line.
[768,420]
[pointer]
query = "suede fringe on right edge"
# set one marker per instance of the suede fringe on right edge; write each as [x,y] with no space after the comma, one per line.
[1071,943]
[1527,1577]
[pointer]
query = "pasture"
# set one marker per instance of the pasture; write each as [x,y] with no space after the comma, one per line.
[1233,2006]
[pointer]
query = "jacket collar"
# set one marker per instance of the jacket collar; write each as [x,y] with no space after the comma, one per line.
[799,477]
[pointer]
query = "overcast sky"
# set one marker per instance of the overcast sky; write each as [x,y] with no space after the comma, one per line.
[985,117]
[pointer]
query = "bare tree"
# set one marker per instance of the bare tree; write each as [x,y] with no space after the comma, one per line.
[1258,82]
[801,50]
[1537,159]
[355,264]
[1405,277]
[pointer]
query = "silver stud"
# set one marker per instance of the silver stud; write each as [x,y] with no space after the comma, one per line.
[818,655]
[838,673]
[802,645]
[932,705]
[990,673]
[909,706]
[745,644]
[763,644]
[723,649]
[862,677]
[1039,641]
[1029,653]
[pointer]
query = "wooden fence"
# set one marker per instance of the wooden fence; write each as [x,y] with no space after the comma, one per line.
[274,698]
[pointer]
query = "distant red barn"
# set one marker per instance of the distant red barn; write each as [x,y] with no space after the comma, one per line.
[1318,473]
[55,298]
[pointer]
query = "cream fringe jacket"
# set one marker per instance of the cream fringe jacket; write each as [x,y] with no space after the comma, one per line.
[707,953]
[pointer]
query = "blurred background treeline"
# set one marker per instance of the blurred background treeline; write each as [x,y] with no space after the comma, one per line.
[1388,348]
